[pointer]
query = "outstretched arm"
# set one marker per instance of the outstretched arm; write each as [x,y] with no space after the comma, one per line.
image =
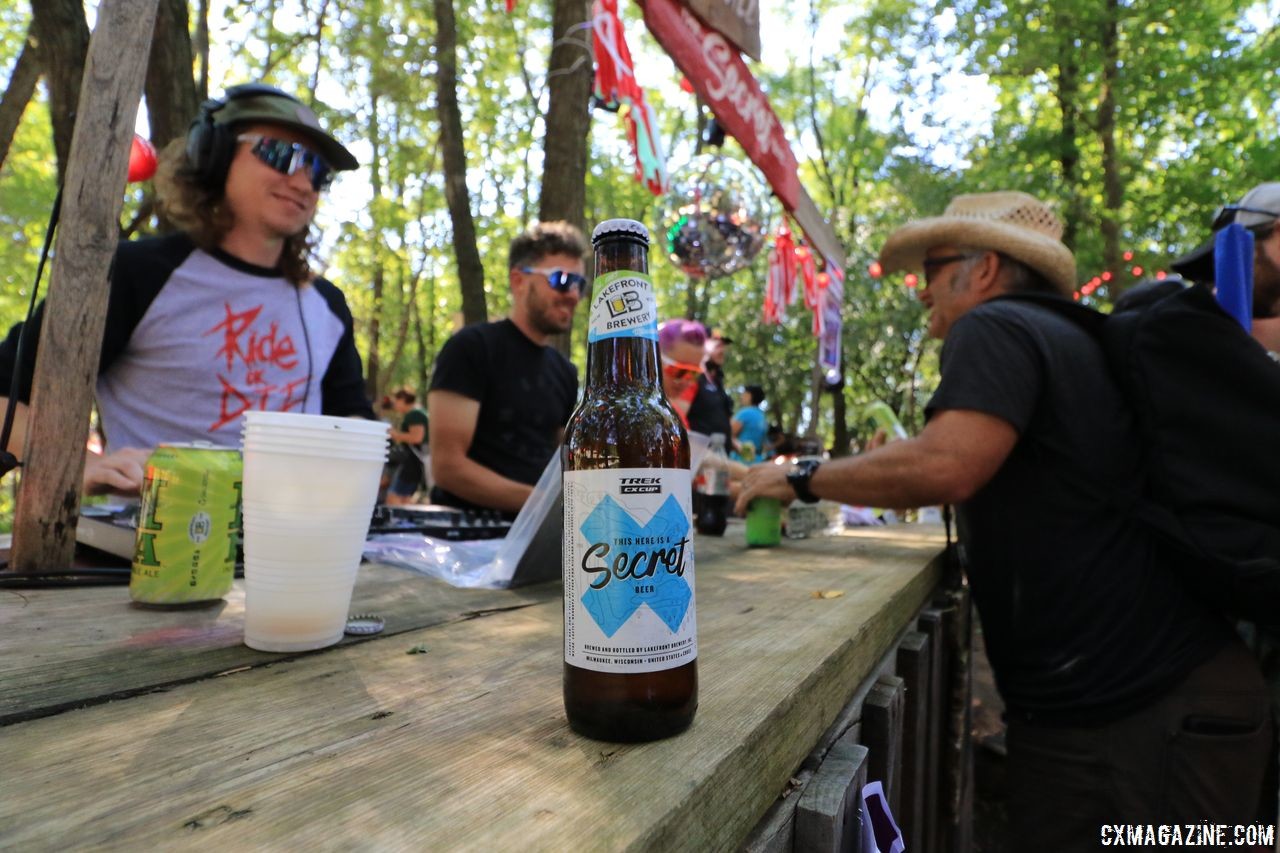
[121,472]
[955,455]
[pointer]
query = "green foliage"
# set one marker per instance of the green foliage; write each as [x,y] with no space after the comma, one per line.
[879,123]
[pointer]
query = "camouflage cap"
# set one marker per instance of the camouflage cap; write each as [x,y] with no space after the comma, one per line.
[260,103]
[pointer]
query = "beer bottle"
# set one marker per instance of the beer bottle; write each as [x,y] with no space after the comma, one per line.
[711,490]
[630,641]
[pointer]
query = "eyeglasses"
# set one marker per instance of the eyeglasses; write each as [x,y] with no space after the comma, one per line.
[679,371]
[288,157]
[561,281]
[932,265]
[1226,214]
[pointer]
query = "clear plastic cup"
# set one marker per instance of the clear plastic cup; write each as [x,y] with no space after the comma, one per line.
[288,514]
[288,578]
[324,423]
[292,619]
[307,447]
[301,547]
[283,478]
[310,483]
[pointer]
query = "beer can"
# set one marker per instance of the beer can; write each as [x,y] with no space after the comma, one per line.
[188,525]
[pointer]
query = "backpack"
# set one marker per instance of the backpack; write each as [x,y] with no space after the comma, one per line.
[1206,400]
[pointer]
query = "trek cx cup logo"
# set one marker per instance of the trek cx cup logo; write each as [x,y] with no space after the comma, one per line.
[623,307]
[640,486]
[633,566]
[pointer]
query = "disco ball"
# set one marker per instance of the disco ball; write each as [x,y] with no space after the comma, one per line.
[715,217]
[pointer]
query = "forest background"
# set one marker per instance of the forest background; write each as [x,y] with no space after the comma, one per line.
[1135,119]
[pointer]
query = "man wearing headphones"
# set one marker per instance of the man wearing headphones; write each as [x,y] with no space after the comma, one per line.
[226,315]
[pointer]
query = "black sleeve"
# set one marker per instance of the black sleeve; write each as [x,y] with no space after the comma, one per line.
[342,388]
[138,272]
[990,364]
[461,365]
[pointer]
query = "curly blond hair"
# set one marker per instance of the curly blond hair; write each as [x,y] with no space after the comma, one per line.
[199,212]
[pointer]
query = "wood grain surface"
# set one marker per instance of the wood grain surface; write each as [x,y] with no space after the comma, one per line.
[461,746]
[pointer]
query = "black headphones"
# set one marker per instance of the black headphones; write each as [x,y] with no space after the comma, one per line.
[210,146]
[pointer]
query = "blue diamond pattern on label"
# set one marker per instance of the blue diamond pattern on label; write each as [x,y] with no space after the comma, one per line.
[628,572]
[623,306]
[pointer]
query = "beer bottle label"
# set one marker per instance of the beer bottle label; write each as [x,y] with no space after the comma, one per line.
[628,572]
[623,306]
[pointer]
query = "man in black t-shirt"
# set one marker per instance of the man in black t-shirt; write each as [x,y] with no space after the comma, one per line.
[1128,700]
[500,395]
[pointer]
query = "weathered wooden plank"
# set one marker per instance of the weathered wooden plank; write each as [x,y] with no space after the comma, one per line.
[829,814]
[850,716]
[776,831]
[736,20]
[465,746]
[64,648]
[76,309]
[882,734]
[914,667]
[106,647]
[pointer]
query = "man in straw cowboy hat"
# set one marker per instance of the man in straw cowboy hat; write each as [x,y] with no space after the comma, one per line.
[1128,700]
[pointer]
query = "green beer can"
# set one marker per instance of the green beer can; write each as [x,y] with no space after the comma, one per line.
[188,525]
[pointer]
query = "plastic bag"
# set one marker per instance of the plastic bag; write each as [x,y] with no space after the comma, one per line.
[483,563]
[532,545]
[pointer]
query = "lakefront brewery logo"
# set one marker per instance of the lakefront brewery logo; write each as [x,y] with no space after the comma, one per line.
[624,303]
[640,486]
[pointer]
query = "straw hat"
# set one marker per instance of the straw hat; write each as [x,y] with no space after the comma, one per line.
[1012,223]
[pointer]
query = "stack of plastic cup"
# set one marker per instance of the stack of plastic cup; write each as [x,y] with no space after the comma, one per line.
[310,484]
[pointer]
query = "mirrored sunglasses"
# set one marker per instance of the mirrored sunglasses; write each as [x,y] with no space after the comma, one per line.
[1226,214]
[561,281]
[288,157]
[679,371]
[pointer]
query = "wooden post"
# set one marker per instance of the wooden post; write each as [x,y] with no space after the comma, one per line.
[914,667]
[882,734]
[829,814]
[931,625]
[76,308]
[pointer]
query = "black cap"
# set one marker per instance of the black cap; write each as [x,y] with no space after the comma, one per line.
[1260,206]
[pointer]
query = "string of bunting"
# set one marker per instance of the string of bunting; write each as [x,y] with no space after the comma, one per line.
[792,271]
[617,90]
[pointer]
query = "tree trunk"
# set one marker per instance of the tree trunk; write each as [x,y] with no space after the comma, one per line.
[201,46]
[1112,182]
[76,308]
[172,100]
[22,85]
[372,366]
[839,416]
[425,344]
[470,269]
[568,120]
[63,39]
[1068,95]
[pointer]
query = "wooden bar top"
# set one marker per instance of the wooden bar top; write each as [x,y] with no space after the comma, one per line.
[125,728]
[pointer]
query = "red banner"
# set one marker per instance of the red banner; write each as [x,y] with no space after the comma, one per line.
[722,79]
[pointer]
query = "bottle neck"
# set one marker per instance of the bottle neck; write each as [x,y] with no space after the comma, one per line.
[616,362]
[625,361]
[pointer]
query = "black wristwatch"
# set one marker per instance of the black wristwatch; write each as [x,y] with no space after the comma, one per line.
[798,478]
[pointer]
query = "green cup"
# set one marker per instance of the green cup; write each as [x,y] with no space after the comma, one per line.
[764,523]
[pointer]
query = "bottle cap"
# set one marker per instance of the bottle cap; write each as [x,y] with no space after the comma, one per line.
[612,227]
[364,624]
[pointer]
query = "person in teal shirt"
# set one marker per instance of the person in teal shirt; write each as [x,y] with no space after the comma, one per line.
[749,423]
